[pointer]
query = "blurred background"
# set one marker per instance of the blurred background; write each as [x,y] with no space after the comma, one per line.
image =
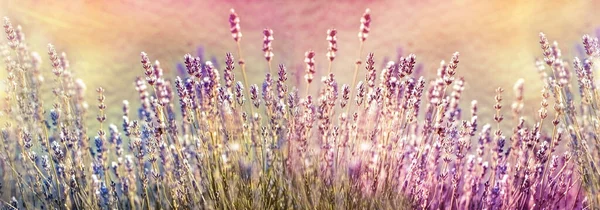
[498,40]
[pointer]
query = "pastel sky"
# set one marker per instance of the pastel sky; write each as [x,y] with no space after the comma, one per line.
[498,40]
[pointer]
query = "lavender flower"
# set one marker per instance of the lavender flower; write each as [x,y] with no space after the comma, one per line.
[267,41]
[365,25]
[196,145]
[332,41]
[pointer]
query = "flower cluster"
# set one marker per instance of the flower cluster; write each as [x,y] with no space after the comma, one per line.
[390,140]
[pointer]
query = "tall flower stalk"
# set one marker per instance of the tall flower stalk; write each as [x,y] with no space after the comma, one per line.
[208,141]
